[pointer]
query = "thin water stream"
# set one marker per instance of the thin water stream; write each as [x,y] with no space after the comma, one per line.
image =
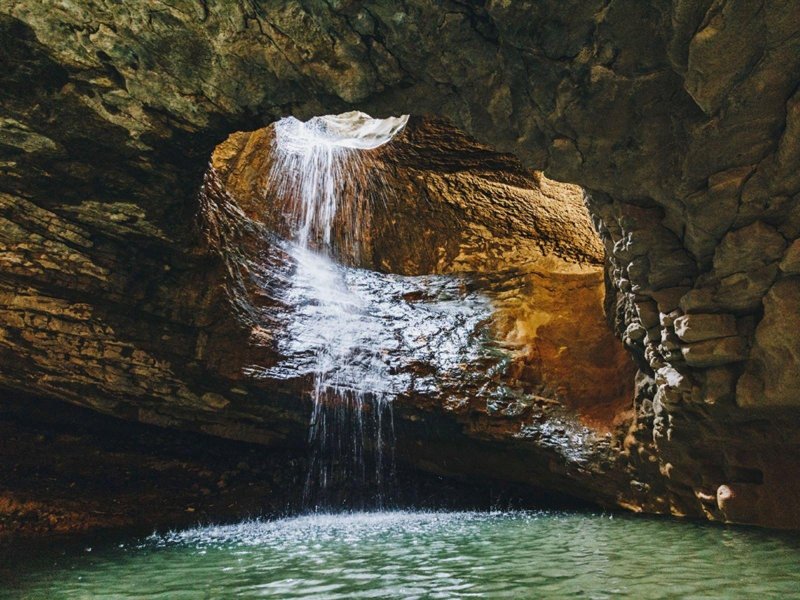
[424,555]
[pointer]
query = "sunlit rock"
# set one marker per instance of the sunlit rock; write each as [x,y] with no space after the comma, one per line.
[680,119]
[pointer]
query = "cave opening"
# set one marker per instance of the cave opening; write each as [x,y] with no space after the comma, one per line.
[392,271]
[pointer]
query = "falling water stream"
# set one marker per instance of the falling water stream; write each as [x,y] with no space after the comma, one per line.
[351,433]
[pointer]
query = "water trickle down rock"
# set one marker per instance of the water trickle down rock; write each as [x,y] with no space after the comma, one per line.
[337,324]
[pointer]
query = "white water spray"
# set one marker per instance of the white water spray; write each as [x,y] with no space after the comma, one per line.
[316,165]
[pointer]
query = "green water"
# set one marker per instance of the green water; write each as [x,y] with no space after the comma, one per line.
[425,555]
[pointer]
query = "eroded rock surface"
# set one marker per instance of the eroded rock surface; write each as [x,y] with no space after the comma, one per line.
[462,300]
[681,117]
[516,245]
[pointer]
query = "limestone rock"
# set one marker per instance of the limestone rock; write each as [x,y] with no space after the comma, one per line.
[442,211]
[772,377]
[748,249]
[715,352]
[699,327]
[712,213]
[668,299]
[791,260]
[680,118]
[738,292]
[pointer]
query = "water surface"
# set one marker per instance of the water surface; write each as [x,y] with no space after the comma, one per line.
[426,555]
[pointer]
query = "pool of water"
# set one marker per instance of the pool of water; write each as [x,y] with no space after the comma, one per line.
[424,555]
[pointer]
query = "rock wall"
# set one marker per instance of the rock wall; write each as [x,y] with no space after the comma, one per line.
[679,116]
[435,202]
[530,391]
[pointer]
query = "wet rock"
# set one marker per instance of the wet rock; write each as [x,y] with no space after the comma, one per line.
[681,119]
[435,188]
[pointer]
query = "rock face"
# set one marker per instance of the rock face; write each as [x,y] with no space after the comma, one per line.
[503,356]
[680,117]
[447,205]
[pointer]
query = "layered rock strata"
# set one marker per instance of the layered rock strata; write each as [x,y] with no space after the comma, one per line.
[505,360]
[679,116]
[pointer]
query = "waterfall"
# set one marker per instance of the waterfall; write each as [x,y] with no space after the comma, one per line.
[316,170]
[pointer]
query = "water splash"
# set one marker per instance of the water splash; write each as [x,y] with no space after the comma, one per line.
[316,173]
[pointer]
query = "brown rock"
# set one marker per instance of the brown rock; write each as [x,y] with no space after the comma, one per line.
[668,299]
[738,292]
[791,260]
[748,249]
[712,353]
[739,502]
[772,377]
[681,118]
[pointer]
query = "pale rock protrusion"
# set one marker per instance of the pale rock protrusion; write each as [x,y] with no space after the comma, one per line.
[670,377]
[634,333]
[724,496]
[653,357]
[667,319]
[669,341]
[699,327]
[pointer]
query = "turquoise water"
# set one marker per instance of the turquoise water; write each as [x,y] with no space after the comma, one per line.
[426,555]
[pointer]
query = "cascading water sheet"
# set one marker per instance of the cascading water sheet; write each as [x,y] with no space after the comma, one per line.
[352,423]
[358,334]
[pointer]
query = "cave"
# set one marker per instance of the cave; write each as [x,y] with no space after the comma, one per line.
[351,280]
[424,274]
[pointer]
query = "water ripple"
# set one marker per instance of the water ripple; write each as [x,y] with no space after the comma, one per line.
[431,555]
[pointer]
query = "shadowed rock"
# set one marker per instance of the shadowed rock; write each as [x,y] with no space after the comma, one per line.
[679,117]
